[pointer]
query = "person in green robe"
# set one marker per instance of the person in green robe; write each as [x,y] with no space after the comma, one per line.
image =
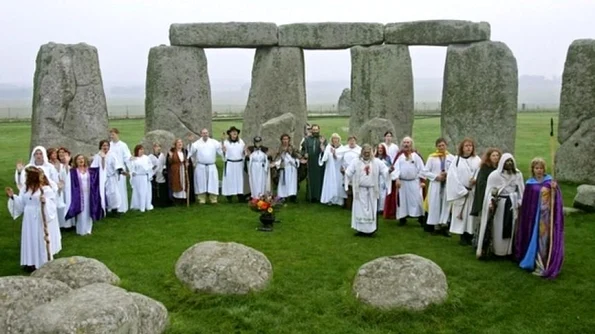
[489,163]
[311,149]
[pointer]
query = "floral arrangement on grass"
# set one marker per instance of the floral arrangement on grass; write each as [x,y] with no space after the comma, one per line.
[266,203]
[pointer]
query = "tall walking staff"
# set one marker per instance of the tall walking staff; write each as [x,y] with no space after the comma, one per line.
[552,190]
[187,182]
[46,235]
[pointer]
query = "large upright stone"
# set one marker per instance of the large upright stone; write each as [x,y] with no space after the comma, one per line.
[278,87]
[479,97]
[272,130]
[344,104]
[69,107]
[436,32]
[178,92]
[372,132]
[382,86]
[576,127]
[330,35]
[224,34]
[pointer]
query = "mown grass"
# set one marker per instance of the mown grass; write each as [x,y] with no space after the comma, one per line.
[315,257]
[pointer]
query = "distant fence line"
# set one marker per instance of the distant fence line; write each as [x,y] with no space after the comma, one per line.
[21,113]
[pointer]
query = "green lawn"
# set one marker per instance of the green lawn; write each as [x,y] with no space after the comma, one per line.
[315,257]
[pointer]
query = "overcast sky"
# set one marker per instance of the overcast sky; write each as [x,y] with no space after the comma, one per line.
[538,32]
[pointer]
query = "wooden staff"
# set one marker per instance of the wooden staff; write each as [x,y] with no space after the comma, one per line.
[187,182]
[46,235]
[552,192]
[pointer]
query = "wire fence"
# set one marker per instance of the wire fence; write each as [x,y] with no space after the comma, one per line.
[23,113]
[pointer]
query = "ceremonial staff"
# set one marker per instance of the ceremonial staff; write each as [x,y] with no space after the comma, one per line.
[552,190]
[46,236]
[187,182]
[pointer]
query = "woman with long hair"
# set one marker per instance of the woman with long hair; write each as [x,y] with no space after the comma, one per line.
[85,204]
[37,204]
[179,173]
[383,155]
[332,183]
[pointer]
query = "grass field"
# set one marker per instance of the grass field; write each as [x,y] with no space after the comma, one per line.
[315,257]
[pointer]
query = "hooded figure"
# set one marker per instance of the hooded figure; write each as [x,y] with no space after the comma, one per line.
[39,159]
[502,199]
[258,167]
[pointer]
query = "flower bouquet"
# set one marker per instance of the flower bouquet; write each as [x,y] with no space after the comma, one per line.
[266,205]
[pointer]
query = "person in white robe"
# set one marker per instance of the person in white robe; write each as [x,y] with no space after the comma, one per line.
[391,148]
[122,153]
[502,200]
[258,167]
[159,188]
[110,171]
[64,193]
[407,174]
[234,150]
[365,174]
[141,172]
[349,153]
[39,159]
[435,204]
[333,192]
[460,190]
[36,202]
[287,164]
[203,153]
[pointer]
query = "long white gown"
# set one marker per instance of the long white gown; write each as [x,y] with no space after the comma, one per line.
[122,153]
[460,199]
[204,156]
[258,173]
[365,179]
[84,222]
[108,180]
[438,207]
[509,187]
[33,246]
[233,173]
[48,169]
[332,184]
[409,171]
[64,197]
[141,173]
[288,175]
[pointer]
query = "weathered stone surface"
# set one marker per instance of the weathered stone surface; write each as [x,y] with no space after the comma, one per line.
[436,32]
[278,87]
[403,281]
[576,127]
[20,294]
[164,138]
[585,198]
[224,34]
[344,104]
[153,315]
[223,268]
[94,309]
[479,97]
[178,91]
[382,86]
[372,132]
[272,130]
[69,107]
[77,272]
[330,35]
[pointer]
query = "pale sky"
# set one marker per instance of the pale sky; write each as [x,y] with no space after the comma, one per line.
[538,32]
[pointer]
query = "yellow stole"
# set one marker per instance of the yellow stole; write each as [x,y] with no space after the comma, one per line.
[437,154]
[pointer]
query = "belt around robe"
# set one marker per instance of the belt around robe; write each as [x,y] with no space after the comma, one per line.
[225,166]
[407,179]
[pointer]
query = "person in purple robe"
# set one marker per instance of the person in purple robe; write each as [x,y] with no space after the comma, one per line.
[539,244]
[85,203]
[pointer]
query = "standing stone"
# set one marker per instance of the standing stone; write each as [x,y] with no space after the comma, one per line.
[436,32]
[585,198]
[576,127]
[69,107]
[382,86]
[165,139]
[330,35]
[278,87]
[224,34]
[372,132]
[479,97]
[273,129]
[178,92]
[344,104]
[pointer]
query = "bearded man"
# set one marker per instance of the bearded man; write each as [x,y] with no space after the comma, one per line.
[311,150]
[364,175]
[502,199]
